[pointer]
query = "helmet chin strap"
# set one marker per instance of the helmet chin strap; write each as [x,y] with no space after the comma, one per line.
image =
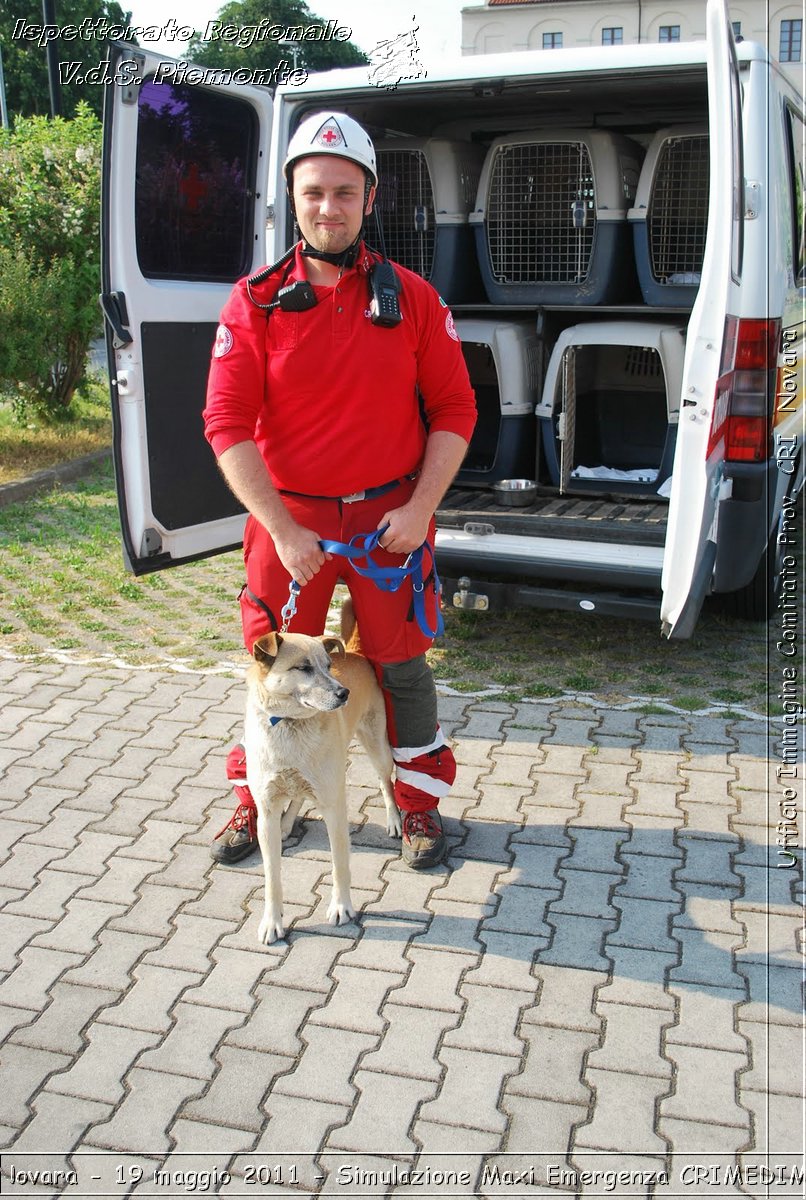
[345,258]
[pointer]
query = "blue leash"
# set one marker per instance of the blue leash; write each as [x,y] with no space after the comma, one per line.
[358,551]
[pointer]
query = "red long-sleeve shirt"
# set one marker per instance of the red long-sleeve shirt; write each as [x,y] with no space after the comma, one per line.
[331,399]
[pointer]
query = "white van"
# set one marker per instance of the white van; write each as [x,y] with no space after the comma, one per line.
[619,232]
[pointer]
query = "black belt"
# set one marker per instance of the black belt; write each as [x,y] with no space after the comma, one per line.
[366,494]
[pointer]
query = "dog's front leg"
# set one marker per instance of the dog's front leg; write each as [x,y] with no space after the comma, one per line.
[394,826]
[373,739]
[341,908]
[290,816]
[268,834]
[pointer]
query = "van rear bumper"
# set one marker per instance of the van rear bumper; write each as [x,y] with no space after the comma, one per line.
[494,572]
[472,594]
[548,560]
[745,519]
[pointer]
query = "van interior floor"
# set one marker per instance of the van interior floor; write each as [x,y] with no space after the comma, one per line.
[588,518]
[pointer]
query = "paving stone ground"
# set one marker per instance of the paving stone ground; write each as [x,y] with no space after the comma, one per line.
[600,993]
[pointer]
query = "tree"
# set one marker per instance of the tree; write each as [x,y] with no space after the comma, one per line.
[264,52]
[25,61]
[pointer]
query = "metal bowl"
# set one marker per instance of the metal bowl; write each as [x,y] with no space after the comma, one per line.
[515,493]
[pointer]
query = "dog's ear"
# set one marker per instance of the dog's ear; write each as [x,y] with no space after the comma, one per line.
[334,646]
[266,648]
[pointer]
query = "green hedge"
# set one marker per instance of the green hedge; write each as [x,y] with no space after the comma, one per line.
[50,191]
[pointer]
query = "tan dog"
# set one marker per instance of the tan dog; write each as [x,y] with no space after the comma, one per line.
[324,696]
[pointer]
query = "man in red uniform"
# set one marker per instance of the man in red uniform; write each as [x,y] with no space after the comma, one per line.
[315,418]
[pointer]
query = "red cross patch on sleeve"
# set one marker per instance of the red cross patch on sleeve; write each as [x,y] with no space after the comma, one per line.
[223,341]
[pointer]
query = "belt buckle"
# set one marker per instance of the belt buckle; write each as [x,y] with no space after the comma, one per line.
[353,497]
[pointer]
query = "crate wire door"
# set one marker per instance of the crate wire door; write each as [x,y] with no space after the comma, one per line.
[406,204]
[677,216]
[542,213]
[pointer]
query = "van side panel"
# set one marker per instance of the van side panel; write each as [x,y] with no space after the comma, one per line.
[749,517]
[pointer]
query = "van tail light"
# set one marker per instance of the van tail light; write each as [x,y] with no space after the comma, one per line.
[745,390]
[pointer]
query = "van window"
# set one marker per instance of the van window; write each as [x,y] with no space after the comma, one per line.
[193,208]
[796,136]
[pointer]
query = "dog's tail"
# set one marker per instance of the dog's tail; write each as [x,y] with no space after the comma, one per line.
[349,628]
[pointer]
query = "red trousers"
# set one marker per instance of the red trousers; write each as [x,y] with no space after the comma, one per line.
[390,633]
[389,630]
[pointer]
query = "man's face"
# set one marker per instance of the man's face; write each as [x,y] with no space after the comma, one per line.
[329,201]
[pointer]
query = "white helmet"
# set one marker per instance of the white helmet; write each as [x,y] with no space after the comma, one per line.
[332,133]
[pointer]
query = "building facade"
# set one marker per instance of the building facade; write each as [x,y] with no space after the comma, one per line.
[504,25]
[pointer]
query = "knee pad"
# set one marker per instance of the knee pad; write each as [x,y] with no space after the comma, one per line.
[411,701]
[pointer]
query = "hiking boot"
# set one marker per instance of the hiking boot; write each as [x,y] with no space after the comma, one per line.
[239,836]
[424,842]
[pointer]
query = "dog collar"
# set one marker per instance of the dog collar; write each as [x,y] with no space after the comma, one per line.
[274,721]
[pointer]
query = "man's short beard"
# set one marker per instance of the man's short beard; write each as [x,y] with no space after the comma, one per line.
[328,242]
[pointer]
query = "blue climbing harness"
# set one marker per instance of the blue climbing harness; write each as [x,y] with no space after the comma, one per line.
[358,552]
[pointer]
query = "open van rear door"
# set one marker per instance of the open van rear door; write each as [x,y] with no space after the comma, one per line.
[698,466]
[185,169]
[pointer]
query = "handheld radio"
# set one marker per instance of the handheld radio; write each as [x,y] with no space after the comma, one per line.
[384,304]
[384,287]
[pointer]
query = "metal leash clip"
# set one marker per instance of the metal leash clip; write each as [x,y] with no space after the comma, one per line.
[290,607]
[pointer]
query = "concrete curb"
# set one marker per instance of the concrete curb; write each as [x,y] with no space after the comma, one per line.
[23,489]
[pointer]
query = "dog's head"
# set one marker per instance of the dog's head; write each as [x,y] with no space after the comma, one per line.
[293,674]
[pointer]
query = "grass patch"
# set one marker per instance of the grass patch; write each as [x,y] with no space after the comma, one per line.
[539,691]
[465,685]
[728,695]
[580,682]
[550,653]
[690,703]
[63,585]
[31,445]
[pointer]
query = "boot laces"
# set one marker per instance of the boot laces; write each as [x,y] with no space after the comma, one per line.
[244,817]
[416,824]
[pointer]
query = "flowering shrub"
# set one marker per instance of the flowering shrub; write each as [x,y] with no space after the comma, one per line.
[50,193]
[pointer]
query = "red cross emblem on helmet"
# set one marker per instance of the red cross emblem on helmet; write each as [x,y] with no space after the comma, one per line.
[330,135]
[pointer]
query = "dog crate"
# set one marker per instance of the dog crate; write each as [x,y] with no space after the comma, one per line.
[610,405]
[670,216]
[550,218]
[504,360]
[426,190]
